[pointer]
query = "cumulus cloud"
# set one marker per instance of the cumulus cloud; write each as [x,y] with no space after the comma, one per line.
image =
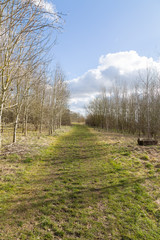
[126,62]
[119,67]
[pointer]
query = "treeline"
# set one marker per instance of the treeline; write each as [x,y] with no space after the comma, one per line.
[76,117]
[43,105]
[26,92]
[69,117]
[134,109]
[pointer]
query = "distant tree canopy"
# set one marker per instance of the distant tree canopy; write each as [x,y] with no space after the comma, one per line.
[66,118]
[129,109]
[77,117]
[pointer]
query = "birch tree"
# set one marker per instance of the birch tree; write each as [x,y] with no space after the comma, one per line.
[24,36]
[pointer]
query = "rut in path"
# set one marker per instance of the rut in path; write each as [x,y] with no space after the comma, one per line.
[78,189]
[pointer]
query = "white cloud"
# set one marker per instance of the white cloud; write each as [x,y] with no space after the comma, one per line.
[77,104]
[120,66]
[49,7]
[126,62]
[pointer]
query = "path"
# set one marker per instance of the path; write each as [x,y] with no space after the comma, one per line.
[79,190]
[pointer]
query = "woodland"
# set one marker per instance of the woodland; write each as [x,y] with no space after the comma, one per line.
[132,108]
[29,93]
[59,177]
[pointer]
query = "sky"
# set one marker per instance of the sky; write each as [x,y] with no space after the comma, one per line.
[104,40]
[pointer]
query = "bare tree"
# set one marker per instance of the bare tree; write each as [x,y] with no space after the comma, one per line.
[134,110]
[24,37]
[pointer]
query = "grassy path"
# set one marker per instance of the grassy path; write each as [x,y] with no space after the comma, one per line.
[80,188]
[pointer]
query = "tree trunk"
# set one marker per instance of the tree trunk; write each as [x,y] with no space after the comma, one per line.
[60,121]
[15,130]
[1,112]
[40,127]
[26,125]
[51,127]
[0,127]
[41,118]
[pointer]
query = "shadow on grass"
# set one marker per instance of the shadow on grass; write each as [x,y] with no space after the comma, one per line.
[71,194]
[74,184]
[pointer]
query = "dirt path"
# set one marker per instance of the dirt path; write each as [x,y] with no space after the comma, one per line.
[80,188]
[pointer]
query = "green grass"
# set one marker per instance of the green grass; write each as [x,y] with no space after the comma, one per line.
[81,187]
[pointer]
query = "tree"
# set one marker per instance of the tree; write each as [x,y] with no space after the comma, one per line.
[24,39]
[133,109]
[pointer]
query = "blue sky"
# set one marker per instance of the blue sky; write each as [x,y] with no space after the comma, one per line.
[96,28]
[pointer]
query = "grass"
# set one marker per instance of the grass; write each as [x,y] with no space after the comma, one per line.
[86,185]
